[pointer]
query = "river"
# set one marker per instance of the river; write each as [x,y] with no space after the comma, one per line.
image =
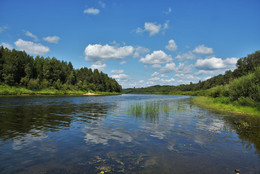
[124,134]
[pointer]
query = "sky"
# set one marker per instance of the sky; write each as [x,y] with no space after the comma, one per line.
[140,43]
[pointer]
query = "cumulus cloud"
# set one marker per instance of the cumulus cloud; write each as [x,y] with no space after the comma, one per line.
[171,46]
[6,45]
[52,39]
[188,56]
[201,49]
[153,28]
[214,63]
[98,65]
[120,77]
[31,47]
[99,52]
[157,57]
[29,34]
[210,63]
[155,74]
[187,77]
[169,67]
[139,51]
[161,80]
[117,71]
[92,11]
[184,69]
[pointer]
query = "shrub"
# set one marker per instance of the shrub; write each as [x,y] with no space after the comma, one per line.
[33,84]
[246,101]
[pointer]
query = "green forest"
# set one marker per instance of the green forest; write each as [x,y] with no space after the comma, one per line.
[20,70]
[240,87]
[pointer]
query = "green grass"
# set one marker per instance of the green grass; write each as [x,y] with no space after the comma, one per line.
[20,91]
[223,105]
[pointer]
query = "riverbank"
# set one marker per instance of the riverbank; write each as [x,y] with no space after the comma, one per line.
[6,90]
[214,104]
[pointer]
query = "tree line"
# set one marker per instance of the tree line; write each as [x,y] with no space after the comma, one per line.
[17,68]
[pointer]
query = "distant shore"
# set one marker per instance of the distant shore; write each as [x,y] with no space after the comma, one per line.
[6,90]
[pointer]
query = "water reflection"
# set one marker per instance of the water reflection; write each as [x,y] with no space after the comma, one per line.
[123,134]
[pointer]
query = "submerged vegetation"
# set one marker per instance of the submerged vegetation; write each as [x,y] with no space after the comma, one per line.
[235,91]
[23,74]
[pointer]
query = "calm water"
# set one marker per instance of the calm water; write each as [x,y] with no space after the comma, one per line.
[124,134]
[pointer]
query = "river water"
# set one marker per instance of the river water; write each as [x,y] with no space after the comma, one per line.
[124,134]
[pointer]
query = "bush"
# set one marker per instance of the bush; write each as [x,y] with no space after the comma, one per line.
[246,101]
[244,86]
[44,84]
[216,91]
[33,84]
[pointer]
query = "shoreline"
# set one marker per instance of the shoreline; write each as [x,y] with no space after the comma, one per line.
[208,103]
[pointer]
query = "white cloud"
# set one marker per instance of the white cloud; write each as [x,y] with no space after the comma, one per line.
[52,39]
[171,46]
[231,61]
[184,69]
[6,45]
[120,77]
[29,34]
[187,76]
[117,71]
[210,63]
[123,62]
[93,11]
[155,74]
[161,80]
[208,72]
[31,47]
[153,28]
[157,57]
[98,65]
[99,52]
[169,67]
[188,55]
[155,66]
[140,50]
[201,49]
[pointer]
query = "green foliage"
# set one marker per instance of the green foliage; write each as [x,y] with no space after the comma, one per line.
[19,69]
[33,84]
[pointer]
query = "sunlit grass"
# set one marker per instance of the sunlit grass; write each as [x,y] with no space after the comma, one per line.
[10,90]
[211,103]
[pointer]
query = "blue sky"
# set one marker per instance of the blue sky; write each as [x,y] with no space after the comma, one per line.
[138,42]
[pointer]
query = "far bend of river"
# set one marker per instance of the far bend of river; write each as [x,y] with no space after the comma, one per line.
[124,134]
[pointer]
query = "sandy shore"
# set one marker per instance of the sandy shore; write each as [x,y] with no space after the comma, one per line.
[89,93]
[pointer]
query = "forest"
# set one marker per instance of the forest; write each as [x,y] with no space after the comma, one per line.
[240,86]
[19,69]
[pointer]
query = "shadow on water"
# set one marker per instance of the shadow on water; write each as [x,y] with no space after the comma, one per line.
[247,129]
[21,119]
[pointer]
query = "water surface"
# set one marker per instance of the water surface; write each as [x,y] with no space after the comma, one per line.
[124,134]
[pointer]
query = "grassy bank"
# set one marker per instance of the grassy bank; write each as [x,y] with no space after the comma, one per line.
[6,90]
[219,104]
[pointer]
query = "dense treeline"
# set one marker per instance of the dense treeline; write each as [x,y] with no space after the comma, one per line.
[20,69]
[241,86]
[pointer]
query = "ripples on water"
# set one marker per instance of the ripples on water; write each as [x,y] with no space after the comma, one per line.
[123,134]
